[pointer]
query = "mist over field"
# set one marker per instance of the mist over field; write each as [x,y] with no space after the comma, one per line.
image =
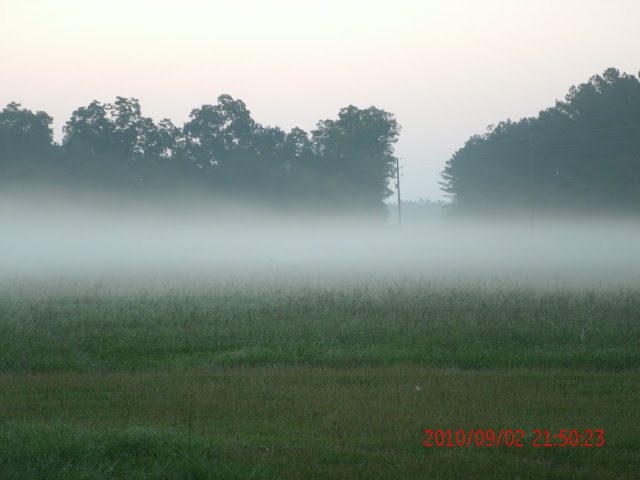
[50,235]
[203,273]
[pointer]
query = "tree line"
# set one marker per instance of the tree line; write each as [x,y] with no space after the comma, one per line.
[581,156]
[344,165]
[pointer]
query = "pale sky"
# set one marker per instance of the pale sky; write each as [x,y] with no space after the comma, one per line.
[445,69]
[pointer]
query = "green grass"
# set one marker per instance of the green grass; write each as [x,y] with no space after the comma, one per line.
[310,422]
[101,329]
[105,379]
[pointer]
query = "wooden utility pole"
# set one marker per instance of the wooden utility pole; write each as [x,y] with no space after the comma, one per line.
[398,188]
[532,189]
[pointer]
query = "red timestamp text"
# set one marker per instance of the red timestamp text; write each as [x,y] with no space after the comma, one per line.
[566,438]
[514,438]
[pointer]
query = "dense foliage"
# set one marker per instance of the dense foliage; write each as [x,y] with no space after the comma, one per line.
[580,156]
[344,165]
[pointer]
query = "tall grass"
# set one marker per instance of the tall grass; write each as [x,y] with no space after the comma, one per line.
[101,327]
[188,379]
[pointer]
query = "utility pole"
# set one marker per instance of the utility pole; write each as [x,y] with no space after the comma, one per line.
[531,180]
[398,188]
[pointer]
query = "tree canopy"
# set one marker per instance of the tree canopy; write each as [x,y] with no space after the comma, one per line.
[581,156]
[26,142]
[344,165]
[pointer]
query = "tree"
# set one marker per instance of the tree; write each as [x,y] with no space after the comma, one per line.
[354,154]
[239,157]
[219,138]
[27,149]
[344,165]
[116,146]
[580,156]
[215,133]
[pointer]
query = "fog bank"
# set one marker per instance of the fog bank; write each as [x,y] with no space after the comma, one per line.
[59,237]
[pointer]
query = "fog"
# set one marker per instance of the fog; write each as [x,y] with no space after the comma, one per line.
[53,236]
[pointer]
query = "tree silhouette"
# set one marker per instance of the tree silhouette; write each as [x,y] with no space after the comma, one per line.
[580,156]
[344,165]
[27,150]
[115,146]
[355,155]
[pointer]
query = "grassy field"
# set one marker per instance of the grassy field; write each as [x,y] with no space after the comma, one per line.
[103,378]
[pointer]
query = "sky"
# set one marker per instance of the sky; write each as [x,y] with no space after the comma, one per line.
[445,69]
